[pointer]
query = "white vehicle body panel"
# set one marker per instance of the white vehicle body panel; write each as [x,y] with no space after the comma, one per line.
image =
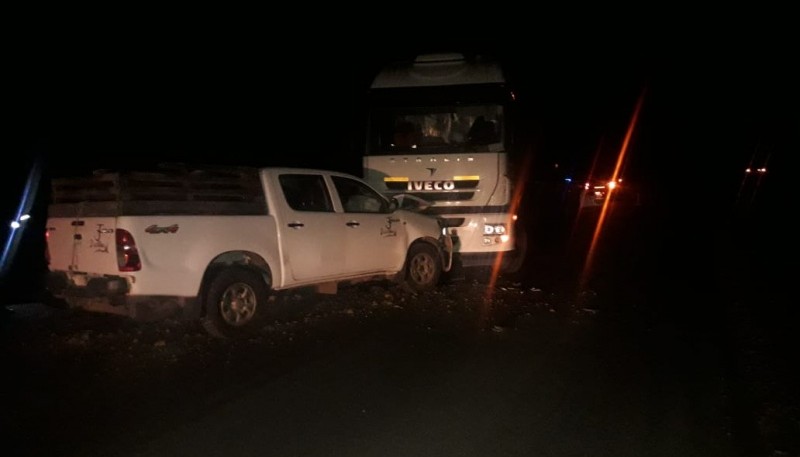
[438,70]
[60,236]
[174,263]
[335,245]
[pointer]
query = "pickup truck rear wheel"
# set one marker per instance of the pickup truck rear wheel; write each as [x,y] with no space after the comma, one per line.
[423,268]
[234,302]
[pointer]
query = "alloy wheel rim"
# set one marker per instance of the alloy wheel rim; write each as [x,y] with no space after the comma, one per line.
[238,304]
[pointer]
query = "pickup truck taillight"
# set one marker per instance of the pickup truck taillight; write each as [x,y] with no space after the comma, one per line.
[127,254]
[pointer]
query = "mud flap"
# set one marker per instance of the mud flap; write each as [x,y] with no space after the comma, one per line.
[447,253]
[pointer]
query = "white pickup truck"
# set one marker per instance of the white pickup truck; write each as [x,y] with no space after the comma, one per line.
[213,243]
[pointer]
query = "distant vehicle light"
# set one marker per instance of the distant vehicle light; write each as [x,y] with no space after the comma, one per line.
[568,179]
[762,170]
[747,170]
[25,217]
[14,225]
[586,186]
[514,217]
[612,185]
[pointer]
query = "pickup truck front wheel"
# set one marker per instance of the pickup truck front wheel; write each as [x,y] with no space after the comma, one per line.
[234,302]
[423,268]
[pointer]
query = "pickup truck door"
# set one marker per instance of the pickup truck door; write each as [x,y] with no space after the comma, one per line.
[375,239]
[313,239]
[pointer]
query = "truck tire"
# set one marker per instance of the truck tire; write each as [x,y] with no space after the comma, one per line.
[423,268]
[235,302]
[515,263]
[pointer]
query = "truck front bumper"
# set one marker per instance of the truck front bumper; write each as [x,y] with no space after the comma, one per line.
[485,259]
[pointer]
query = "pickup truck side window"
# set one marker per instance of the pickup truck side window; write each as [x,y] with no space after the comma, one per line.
[306,192]
[357,197]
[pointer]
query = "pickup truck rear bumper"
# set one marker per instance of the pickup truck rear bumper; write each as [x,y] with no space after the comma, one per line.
[111,294]
[63,283]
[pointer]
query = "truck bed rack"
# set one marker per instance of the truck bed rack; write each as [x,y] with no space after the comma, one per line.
[169,189]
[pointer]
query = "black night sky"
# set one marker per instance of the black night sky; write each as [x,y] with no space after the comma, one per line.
[92,103]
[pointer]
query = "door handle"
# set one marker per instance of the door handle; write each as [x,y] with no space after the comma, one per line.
[352,224]
[295,225]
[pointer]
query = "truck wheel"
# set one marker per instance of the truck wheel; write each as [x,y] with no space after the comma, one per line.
[234,303]
[515,263]
[423,268]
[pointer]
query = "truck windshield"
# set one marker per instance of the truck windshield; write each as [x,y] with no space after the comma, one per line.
[437,129]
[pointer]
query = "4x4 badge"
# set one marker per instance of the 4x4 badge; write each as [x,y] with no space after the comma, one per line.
[156,229]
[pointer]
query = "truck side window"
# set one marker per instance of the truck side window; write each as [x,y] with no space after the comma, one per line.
[359,198]
[306,192]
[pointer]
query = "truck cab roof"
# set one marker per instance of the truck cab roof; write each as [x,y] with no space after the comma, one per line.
[448,69]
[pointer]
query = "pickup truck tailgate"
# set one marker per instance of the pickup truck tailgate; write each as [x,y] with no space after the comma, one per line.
[82,244]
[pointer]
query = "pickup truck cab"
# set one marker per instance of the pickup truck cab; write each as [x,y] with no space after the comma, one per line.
[213,243]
